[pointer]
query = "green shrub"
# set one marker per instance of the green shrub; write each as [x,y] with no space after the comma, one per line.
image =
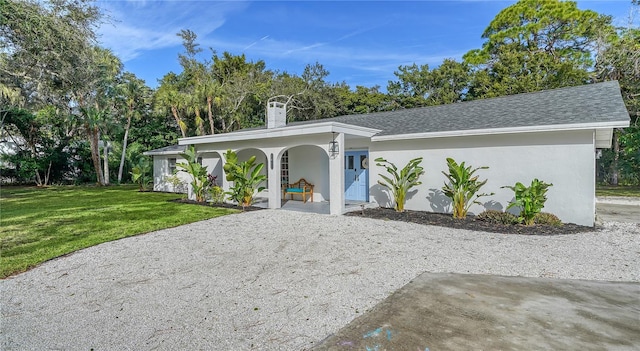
[462,187]
[217,194]
[497,217]
[402,182]
[530,199]
[546,218]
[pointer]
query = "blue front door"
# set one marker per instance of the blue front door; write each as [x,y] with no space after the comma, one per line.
[356,176]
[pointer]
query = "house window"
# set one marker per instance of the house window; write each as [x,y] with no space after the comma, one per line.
[284,168]
[349,161]
[172,165]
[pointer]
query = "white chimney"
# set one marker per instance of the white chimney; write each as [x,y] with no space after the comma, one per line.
[276,115]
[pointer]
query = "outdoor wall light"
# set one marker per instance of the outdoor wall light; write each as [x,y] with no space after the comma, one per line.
[334,148]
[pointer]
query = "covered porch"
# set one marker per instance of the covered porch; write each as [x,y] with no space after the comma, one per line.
[325,154]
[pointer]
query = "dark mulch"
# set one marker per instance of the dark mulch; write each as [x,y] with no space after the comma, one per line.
[469,223]
[222,205]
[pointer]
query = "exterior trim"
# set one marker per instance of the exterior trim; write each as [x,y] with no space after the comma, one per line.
[305,129]
[510,130]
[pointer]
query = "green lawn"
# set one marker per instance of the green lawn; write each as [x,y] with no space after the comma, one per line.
[628,191]
[37,225]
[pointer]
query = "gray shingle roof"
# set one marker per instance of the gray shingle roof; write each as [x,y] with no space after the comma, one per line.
[585,104]
[592,103]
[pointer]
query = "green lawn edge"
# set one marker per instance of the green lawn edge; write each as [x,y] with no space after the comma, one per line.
[40,224]
[622,191]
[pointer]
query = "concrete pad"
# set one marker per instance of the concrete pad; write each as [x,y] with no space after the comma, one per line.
[627,212]
[482,312]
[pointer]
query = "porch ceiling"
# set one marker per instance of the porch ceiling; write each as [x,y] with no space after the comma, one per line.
[287,131]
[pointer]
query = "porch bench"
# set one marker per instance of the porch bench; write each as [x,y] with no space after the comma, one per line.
[301,187]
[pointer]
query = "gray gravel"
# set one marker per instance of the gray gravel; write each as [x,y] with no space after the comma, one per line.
[271,280]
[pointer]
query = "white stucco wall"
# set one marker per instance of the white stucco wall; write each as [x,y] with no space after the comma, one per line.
[161,173]
[565,159]
[312,164]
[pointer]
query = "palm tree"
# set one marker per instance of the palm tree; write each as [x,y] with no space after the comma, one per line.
[134,92]
[168,96]
[92,119]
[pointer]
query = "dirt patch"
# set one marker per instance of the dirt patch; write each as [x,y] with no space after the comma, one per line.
[469,223]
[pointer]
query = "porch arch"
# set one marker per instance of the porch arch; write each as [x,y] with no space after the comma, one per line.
[310,162]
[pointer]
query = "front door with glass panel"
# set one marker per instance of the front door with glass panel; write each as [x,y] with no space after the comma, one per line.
[356,176]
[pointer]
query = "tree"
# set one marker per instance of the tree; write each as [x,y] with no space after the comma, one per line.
[619,59]
[134,95]
[534,45]
[43,47]
[49,55]
[419,86]
[362,100]
[193,75]
[243,90]
[41,141]
[168,96]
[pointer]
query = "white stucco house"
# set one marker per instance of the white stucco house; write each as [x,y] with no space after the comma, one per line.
[550,135]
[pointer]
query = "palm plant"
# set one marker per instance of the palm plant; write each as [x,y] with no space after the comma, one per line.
[245,176]
[400,182]
[530,199]
[462,187]
[140,173]
[198,172]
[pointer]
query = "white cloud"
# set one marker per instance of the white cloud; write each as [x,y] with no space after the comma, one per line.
[137,26]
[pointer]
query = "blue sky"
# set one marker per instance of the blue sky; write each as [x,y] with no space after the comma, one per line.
[358,42]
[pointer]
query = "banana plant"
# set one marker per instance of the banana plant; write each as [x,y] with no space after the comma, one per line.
[400,182]
[199,180]
[530,199]
[246,178]
[140,173]
[462,187]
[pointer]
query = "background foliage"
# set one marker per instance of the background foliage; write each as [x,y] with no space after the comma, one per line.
[62,96]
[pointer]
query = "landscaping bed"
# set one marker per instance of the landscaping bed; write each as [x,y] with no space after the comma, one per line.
[469,223]
[219,204]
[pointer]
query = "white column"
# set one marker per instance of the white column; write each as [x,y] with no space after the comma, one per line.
[273,170]
[224,183]
[336,179]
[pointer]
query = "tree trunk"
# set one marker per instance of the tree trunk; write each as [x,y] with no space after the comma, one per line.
[124,148]
[210,112]
[46,177]
[616,156]
[93,135]
[174,111]
[199,122]
[106,163]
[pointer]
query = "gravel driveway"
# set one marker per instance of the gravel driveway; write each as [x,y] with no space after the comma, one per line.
[271,279]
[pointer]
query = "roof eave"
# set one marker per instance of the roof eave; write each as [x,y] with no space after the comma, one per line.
[509,130]
[287,131]
[163,153]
